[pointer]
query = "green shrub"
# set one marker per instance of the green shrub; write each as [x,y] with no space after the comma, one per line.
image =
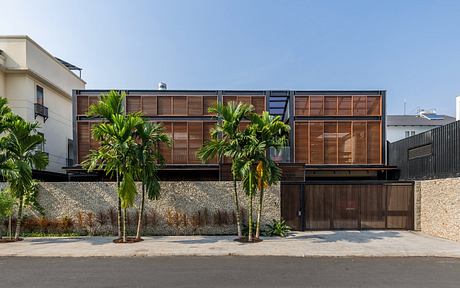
[278,228]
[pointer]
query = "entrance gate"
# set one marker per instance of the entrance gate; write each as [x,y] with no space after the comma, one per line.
[348,206]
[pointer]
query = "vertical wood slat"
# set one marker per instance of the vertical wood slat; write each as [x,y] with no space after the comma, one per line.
[133,104]
[83,132]
[290,205]
[353,206]
[149,105]
[82,105]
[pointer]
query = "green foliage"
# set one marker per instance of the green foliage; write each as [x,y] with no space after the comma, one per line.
[19,145]
[128,149]
[18,156]
[278,228]
[150,135]
[6,204]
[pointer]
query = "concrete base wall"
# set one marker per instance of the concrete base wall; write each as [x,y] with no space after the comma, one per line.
[437,209]
[184,208]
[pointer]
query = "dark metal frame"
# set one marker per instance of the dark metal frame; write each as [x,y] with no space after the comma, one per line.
[41,110]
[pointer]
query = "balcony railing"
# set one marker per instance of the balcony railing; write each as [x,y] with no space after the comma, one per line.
[281,156]
[41,110]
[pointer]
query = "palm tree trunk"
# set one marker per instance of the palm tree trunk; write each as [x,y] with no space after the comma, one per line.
[237,208]
[124,225]
[19,220]
[259,212]
[141,214]
[10,229]
[250,209]
[118,208]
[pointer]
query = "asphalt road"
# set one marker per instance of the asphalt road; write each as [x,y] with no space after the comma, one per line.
[229,272]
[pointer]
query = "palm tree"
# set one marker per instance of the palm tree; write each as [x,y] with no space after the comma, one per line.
[117,153]
[6,206]
[6,117]
[110,104]
[20,146]
[150,135]
[245,167]
[271,133]
[224,142]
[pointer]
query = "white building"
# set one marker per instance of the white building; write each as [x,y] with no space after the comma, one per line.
[38,87]
[403,126]
[457,108]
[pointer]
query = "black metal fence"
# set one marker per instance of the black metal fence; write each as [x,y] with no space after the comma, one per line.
[429,155]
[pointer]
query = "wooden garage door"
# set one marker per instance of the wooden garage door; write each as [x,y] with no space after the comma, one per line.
[348,206]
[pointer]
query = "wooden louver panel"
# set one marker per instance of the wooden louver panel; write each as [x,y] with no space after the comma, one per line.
[179,105]
[195,141]
[149,105]
[164,105]
[82,105]
[301,143]
[84,138]
[133,104]
[195,106]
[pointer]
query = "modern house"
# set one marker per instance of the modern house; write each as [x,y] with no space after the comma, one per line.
[403,126]
[39,87]
[335,172]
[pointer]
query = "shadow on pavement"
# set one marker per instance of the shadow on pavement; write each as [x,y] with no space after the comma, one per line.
[91,240]
[347,236]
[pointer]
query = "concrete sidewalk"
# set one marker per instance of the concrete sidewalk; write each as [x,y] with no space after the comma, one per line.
[301,244]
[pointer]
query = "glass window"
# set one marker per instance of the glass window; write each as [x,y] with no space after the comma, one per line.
[412,133]
[39,94]
[407,134]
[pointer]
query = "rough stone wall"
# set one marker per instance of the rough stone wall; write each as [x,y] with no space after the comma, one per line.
[183,208]
[440,207]
[417,206]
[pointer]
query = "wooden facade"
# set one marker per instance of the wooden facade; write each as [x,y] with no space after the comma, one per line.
[338,129]
[184,115]
[336,136]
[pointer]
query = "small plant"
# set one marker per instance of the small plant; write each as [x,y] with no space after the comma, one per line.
[278,228]
[65,225]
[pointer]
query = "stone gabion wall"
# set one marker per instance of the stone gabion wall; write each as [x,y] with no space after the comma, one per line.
[184,208]
[439,207]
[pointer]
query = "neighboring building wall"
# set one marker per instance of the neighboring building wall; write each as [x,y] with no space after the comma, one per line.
[183,207]
[26,66]
[2,84]
[395,133]
[438,207]
[429,155]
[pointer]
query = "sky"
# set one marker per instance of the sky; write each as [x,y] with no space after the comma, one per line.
[410,48]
